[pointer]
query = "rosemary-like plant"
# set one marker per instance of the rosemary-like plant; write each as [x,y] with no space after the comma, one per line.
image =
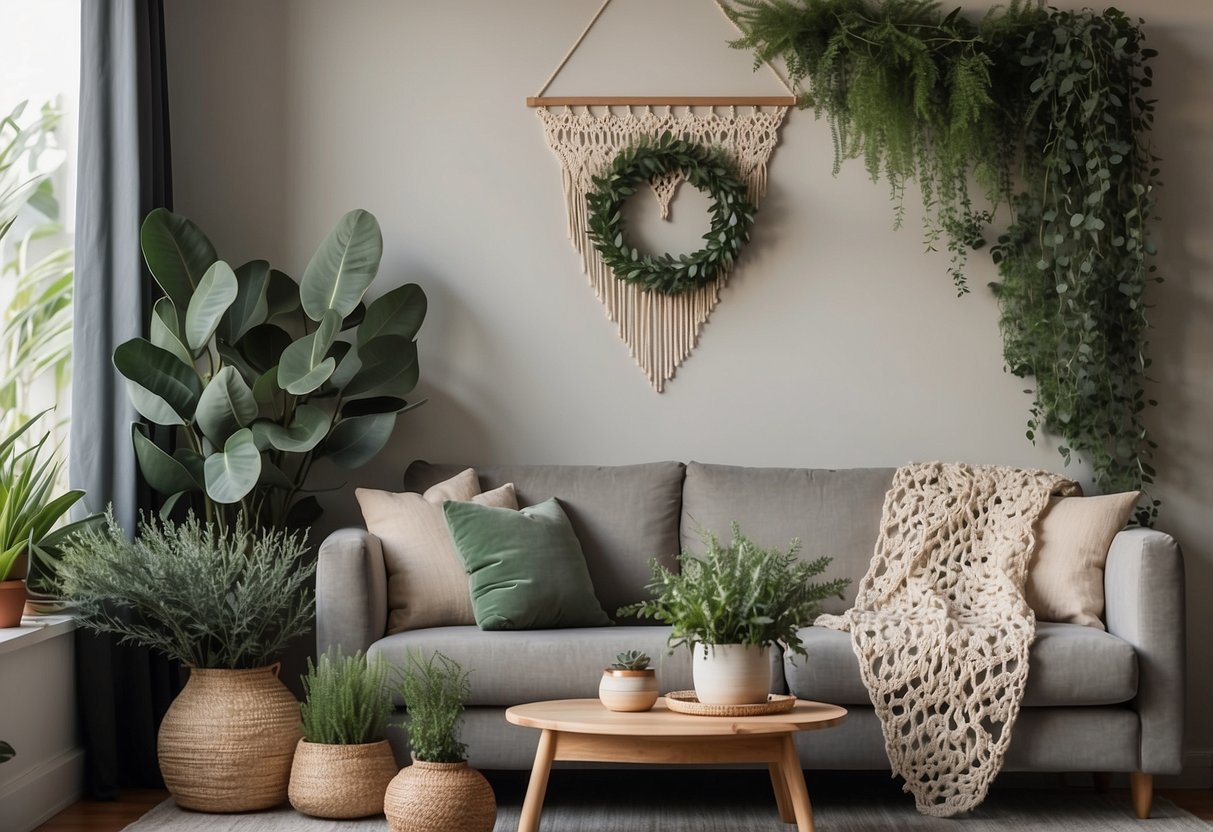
[208,599]
[738,594]
[435,689]
[347,699]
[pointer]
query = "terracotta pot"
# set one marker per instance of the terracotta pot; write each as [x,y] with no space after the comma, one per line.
[440,797]
[227,741]
[12,602]
[341,781]
[628,690]
[731,674]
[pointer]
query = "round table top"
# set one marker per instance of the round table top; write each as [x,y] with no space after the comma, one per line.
[588,716]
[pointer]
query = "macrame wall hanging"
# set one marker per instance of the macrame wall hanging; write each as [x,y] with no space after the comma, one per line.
[590,136]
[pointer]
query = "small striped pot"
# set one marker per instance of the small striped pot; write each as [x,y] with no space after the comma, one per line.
[341,781]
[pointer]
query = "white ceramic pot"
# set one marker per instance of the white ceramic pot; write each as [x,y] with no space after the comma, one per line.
[628,690]
[731,674]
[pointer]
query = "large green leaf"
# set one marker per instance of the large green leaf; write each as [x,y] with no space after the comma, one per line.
[305,364]
[211,300]
[399,312]
[251,307]
[178,255]
[268,394]
[303,513]
[348,365]
[226,406]
[389,368]
[311,424]
[232,473]
[163,473]
[263,346]
[162,375]
[354,442]
[343,267]
[194,462]
[377,404]
[281,294]
[164,331]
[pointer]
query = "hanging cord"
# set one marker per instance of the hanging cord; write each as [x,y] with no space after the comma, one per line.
[598,14]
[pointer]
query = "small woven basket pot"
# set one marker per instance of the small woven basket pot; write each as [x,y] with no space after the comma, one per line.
[341,781]
[226,742]
[440,797]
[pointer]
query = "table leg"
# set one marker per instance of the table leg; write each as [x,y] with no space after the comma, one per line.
[794,777]
[538,786]
[782,799]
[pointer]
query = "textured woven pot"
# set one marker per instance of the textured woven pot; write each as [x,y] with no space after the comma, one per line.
[12,601]
[226,743]
[440,797]
[341,781]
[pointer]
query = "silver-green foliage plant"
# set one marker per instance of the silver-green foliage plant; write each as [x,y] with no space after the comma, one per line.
[347,699]
[205,596]
[261,376]
[738,594]
[631,660]
[435,690]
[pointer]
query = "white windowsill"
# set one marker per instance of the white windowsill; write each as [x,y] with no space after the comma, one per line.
[34,629]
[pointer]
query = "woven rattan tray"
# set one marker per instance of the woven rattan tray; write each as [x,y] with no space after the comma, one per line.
[685,702]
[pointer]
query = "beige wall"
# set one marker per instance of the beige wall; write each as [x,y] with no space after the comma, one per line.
[838,342]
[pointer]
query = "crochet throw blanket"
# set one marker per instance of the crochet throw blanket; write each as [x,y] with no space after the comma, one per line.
[941,627]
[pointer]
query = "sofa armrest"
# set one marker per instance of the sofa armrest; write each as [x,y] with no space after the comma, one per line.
[351,591]
[1144,587]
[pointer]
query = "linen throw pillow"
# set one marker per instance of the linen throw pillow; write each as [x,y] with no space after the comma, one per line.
[426,584]
[526,568]
[1066,574]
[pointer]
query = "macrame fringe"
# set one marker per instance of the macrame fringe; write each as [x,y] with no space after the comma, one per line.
[660,330]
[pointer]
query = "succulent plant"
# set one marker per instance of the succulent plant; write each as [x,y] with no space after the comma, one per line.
[631,660]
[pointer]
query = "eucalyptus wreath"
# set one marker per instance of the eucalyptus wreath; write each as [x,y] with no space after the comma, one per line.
[705,168]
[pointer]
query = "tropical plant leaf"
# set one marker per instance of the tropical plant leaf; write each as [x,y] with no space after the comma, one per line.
[250,307]
[262,346]
[303,513]
[353,442]
[162,472]
[214,294]
[162,375]
[399,312]
[281,294]
[377,404]
[389,368]
[305,365]
[226,406]
[310,426]
[164,331]
[178,255]
[342,267]
[233,472]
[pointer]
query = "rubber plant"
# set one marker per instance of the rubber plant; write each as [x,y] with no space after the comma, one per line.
[1039,110]
[258,376]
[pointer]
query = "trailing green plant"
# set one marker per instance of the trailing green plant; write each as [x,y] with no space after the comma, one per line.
[1043,110]
[631,660]
[205,596]
[738,594]
[347,699]
[259,376]
[435,690]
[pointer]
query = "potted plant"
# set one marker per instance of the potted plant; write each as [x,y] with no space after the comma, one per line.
[224,603]
[629,684]
[438,792]
[730,606]
[343,763]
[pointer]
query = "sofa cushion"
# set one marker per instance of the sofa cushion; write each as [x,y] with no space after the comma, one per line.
[834,513]
[622,515]
[525,568]
[1069,665]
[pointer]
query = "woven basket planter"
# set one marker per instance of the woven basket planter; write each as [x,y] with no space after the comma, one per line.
[226,742]
[341,781]
[440,797]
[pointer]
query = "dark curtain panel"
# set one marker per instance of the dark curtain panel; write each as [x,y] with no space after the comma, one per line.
[124,172]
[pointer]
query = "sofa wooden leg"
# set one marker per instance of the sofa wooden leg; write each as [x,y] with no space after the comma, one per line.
[1141,786]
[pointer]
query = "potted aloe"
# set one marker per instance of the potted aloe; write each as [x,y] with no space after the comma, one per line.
[225,603]
[343,763]
[629,684]
[438,792]
[730,606]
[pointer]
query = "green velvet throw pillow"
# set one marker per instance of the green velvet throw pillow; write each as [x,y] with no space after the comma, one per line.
[526,570]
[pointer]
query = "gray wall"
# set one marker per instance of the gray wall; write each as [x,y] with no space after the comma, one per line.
[837,343]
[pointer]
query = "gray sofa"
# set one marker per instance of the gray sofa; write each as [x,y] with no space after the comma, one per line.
[1096,701]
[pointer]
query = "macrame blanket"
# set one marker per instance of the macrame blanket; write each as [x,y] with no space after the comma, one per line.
[941,627]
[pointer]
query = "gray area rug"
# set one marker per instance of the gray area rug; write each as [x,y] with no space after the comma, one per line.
[717,801]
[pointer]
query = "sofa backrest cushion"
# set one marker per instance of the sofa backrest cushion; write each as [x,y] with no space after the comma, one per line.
[623,514]
[834,513]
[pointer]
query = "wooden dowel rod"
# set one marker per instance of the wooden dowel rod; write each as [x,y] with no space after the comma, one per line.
[661,101]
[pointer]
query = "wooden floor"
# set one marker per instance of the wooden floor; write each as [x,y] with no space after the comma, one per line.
[112,816]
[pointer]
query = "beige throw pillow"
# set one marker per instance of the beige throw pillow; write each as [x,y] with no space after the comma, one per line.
[1066,575]
[426,583]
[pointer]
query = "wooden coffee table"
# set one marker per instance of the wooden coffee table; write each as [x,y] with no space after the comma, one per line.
[583,730]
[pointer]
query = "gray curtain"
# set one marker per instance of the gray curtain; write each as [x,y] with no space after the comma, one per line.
[124,172]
